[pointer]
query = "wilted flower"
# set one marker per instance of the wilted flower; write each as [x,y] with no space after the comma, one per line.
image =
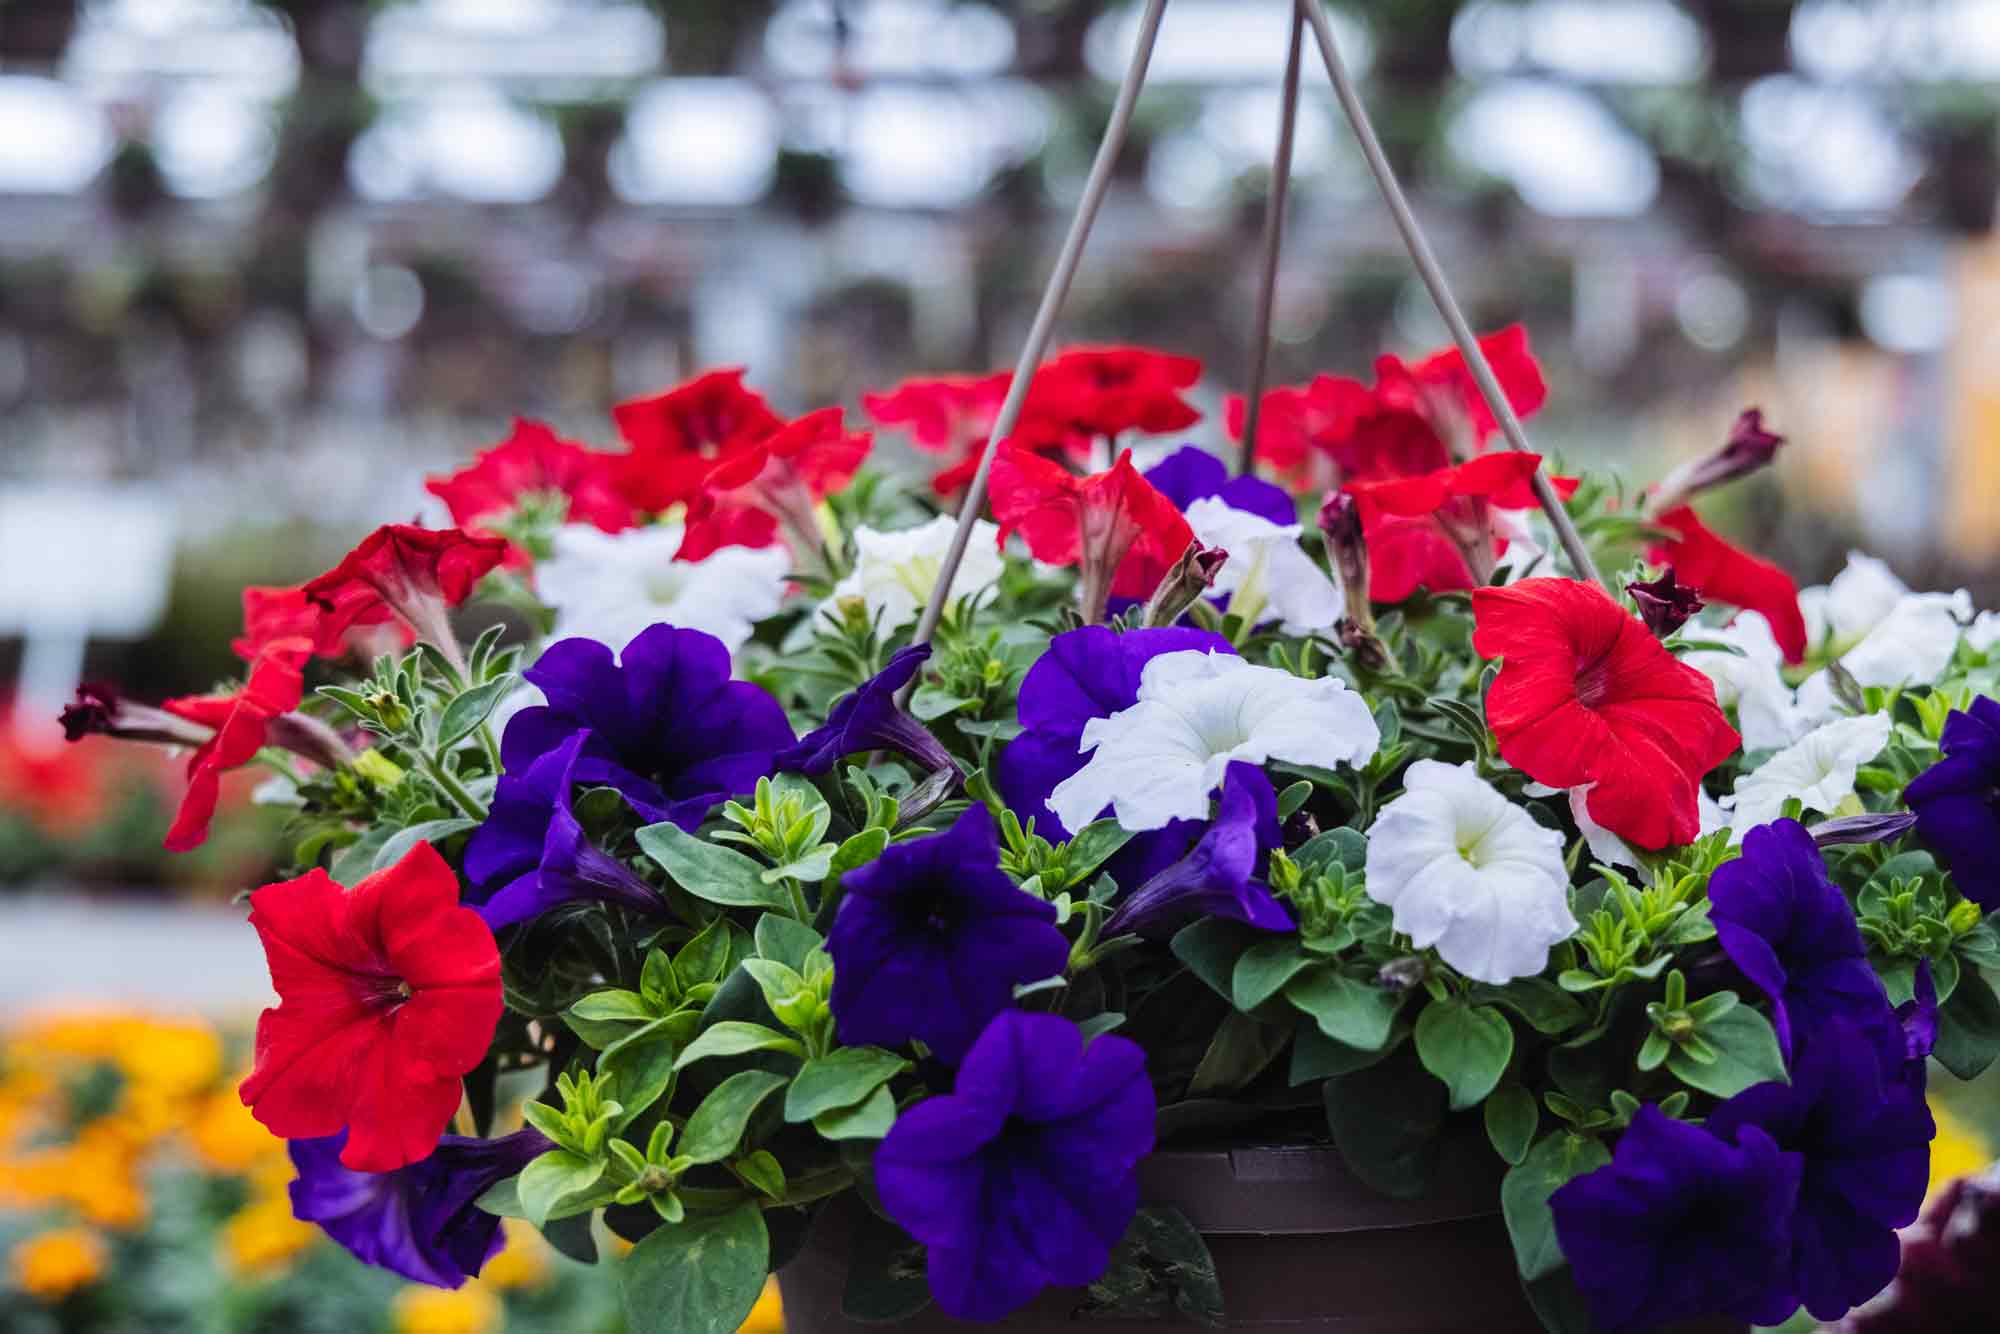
[1664,605]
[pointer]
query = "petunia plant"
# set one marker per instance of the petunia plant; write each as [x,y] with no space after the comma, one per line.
[798,853]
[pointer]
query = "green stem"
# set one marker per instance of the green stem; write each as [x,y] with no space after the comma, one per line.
[797,891]
[469,806]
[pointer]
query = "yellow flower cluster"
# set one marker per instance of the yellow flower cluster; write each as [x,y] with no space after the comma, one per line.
[88,1102]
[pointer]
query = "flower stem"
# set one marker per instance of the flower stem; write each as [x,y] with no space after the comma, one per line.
[468,805]
[1432,273]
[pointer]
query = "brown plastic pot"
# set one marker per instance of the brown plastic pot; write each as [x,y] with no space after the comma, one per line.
[1300,1245]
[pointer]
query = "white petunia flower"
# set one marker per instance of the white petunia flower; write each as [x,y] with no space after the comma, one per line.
[1882,633]
[893,572]
[1766,713]
[1268,575]
[1818,769]
[610,586]
[1607,847]
[1469,872]
[1159,760]
[1984,632]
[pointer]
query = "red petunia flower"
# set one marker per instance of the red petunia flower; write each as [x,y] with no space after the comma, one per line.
[1587,697]
[1441,385]
[676,436]
[773,483]
[1119,531]
[1300,427]
[388,994]
[1107,391]
[1436,530]
[242,723]
[532,461]
[944,414]
[415,572]
[1723,573]
[271,614]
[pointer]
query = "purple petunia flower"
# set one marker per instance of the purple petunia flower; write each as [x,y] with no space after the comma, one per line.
[1218,876]
[932,937]
[420,1221]
[1682,1223]
[1863,1133]
[1022,1177]
[1191,473]
[669,728]
[1783,921]
[532,854]
[1957,801]
[870,719]
[1085,674]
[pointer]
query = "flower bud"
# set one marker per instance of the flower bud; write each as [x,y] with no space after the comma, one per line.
[1750,447]
[1664,603]
[99,710]
[1369,651]
[1400,975]
[1883,828]
[1191,576]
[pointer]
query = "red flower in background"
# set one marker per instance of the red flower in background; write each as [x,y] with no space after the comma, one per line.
[1587,696]
[943,414]
[1336,430]
[774,482]
[414,572]
[62,789]
[1723,573]
[241,723]
[1120,532]
[388,994]
[1436,530]
[676,436]
[271,614]
[534,461]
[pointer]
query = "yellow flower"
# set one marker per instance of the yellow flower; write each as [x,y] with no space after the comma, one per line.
[768,1315]
[55,1264]
[467,1310]
[227,1139]
[1956,1151]
[264,1235]
[175,1059]
[525,1262]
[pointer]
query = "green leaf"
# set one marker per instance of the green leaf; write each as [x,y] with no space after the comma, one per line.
[1347,1010]
[870,1120]
[1969,1027]
[1348,847]
[1385,1121]
[931,702]
[356,861]
[700,1276]
[863,848]
[469,710]
[644,1070]
[1294,797]
[1511,1120]
[1546,1006]
[1092,847]
[717,1125]
[1315,1056]
[1240,1051]
[840,1079]
[762,1170]
[1466,1046]
[1210,948]
[614,1004]
[1263,970]
[706,957]
[1746,1051]
[503,1199]
[398,845]
[710,871]
[783,939]
[557,1183]
[1160,1272]
[779,983]
[734,1037]
[1524,1197]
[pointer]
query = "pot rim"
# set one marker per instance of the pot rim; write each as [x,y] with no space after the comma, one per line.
[1281,1189]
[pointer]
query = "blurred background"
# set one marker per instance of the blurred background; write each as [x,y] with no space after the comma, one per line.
[266,263]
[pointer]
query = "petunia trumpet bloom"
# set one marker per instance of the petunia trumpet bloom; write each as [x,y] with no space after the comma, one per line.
[1120,533]
[1819,769]
[1191,473]
[611,586]
[1436,530]
[1218,877]
[242,723]
[675,436]
[945,413]
[1268,575]
[1195,714]
[421,1221]
[274,613]
[1750,447]
[1021,1177]
[1683,1224]
[417,573]
[1467,871]
[931,939]
[1957,801]
[1586,695]
[893,572]
[1786,925]
[1722,573]
[778,479]
[532,854]
[535,464]
[1882,633]
[388,995]
[869,718]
